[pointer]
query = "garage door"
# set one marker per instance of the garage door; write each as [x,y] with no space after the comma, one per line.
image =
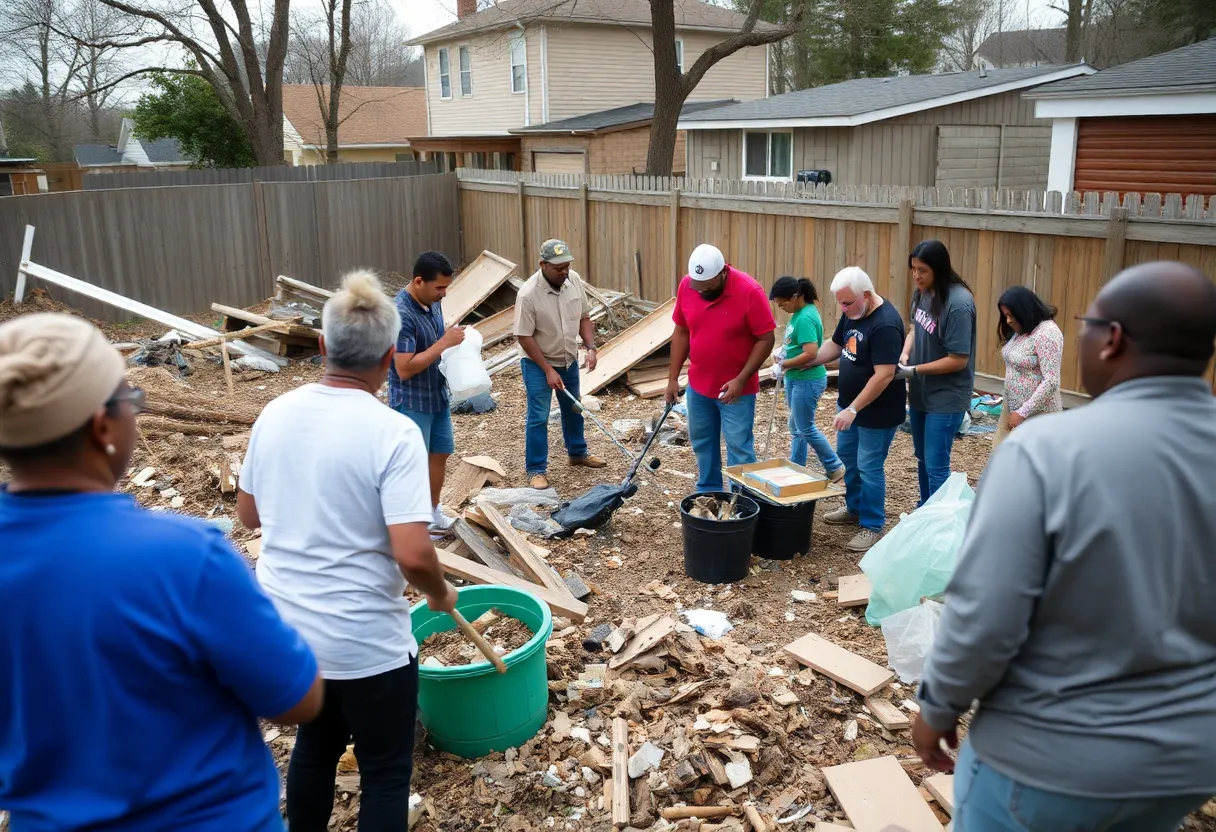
[1148,154]
[559,162]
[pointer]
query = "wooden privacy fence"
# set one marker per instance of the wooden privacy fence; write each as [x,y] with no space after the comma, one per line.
[278,173]
[638,239]
[182,248]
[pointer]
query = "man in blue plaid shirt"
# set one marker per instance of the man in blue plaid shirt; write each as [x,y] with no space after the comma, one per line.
[415,385]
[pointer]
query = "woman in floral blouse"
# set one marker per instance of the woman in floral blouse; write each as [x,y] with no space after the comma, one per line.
[1033,347]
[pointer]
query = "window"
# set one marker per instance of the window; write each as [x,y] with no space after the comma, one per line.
[466,71]
[408,156]
[477,161]
[519,64]
[768,155]
[445,75]
[506,161]
[680,54]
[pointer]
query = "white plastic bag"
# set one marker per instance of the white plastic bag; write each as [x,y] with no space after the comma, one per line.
[462,366]
[909,635]
[916,558]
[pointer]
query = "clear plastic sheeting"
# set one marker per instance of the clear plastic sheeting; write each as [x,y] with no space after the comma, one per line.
[519,496]
[526,519]
[909,635]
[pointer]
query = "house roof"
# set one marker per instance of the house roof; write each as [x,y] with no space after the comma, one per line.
[11,161]
[634,115]
[97,154]
[1191,68]
[864,100]
[689,14]
[160,152]
[165,151]
[367,115]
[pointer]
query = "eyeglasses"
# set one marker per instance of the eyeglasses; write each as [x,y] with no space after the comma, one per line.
[1104,322]
[136,397]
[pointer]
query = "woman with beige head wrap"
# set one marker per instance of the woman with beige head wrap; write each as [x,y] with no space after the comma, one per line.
[137,651]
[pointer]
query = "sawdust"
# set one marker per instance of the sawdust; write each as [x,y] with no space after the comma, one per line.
[505,635]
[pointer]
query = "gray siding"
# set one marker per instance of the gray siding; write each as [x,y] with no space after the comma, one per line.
[722,146]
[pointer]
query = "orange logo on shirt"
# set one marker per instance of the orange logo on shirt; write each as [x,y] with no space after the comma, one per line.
[851,346]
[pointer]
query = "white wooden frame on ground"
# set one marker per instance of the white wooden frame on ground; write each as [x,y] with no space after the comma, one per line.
[197,332]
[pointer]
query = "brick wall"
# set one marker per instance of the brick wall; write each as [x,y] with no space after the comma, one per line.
[621,152]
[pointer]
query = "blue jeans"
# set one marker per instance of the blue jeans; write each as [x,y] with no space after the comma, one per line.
[864,453]
[932,438]
[802,398]
[708,421]
[987,801]
[540,398]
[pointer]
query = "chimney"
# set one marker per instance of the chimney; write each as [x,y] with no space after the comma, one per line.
[983,70]
[464,8]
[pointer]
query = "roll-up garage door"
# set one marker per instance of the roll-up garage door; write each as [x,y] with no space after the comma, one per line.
[1148,154]
[559,162]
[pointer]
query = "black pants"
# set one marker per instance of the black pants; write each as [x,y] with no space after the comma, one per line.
[378,713]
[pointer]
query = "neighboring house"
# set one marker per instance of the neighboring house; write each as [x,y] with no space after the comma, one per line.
[374,123]
[131,154]
[1147,126]
[522,63]
[21,176]
[963,129]
[1106,43]
[610,141]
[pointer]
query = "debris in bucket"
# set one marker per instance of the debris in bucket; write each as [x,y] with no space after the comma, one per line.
[450,647]
[711,508]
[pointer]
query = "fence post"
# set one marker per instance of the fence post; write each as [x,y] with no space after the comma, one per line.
[903,246]
[674,231]
[1116,235]
[523,227]
[584,217]
[259,208]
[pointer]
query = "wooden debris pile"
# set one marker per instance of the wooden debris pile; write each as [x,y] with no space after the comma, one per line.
[711,508]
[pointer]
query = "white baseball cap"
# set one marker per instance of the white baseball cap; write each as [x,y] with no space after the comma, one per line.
[706,262]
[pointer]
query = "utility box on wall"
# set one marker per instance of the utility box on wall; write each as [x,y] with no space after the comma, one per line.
[817,177]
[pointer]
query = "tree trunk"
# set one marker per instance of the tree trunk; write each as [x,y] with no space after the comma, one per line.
[1072,32]
[669,90]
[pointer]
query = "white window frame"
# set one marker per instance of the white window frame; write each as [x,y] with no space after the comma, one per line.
[680,54]
[463,51]
[445,58]
[522,44]
[768,154]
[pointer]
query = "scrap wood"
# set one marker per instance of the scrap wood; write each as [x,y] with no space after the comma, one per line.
[877,793]
[631,346]
[620,772]
[474,284]
[484,548]
[704,812]
[753,817]
[560,603]
[941,786]
[521,552]
[275,326]
[496,328]
[261,320]
[837,663]
[854,591]
[474,515]
[644,641]
[290,286]
[470,476]
[888,716]
[194,414]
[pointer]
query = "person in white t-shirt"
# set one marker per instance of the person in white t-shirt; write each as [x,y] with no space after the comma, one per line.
[337,481]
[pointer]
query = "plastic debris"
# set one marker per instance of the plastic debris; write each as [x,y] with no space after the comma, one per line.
[803,595]
[909,636]
[518,496]
[254,362]
[525,519]
[646,758]
[710,623]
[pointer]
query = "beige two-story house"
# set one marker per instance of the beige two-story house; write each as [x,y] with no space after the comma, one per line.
[522,64]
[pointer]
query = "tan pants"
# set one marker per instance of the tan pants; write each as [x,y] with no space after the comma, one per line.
[1002,429]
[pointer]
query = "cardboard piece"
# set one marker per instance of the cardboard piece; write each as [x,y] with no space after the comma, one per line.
[849,669]
[738,474]
[854,591]
[477,282]
[877,793]
[941,786]
[560,603]
[629,348]
[782,478]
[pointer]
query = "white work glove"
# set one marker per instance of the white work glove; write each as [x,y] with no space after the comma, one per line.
[903,371]
[778,368]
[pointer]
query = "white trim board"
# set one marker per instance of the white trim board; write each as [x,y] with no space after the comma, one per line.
[1163,104]
[888,112]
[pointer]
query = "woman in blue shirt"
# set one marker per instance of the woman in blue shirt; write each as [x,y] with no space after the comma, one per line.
[137,651]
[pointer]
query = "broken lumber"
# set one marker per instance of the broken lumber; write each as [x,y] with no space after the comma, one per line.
[470,477]
[703,812]
[753,817]
[877,793]
[314,295]
[496,328]
[256,320]
[276,326]
[620,772]
[484,548]
[845,667]
[630,347]
[643,641]
[194,414]
[521,552]
[854,591]
[474,284]
[560,603]
[941,786]
[888,716]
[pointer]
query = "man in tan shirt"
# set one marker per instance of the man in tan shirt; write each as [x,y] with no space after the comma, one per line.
[551,314]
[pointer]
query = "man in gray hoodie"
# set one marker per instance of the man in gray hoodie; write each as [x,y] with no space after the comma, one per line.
[1081,613]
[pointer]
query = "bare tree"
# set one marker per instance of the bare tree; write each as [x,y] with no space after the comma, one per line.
[1077,17]
[672,88]
[378,55]
[324,56]
[977,21]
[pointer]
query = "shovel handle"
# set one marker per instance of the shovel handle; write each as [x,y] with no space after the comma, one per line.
[482,645]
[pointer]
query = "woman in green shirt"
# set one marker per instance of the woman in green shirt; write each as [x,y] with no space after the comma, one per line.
[804,385]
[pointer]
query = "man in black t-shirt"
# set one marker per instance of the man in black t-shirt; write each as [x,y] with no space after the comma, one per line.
[868,341]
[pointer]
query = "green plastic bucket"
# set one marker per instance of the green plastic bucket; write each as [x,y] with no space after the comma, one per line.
[473,710]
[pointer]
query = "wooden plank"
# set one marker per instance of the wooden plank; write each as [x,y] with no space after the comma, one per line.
[643,641]
[523,555]
[854,591]
[256,320]
[941,786]
[620,772]
[1116,237]
[299,287]
[847,668]
[497,328]
[653,389]
[466,481]
[473,285]
[878,793]
[889,716]
[630,347]
[483,547]
[469,570]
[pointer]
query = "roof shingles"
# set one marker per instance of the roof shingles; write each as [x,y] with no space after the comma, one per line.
[642,112]
[1190,66]
[367,115]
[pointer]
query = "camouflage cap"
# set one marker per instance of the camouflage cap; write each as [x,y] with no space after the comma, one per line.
[555,252]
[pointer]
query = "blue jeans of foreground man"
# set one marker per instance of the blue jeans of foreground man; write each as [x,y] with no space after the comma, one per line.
[802,398]
[932,439]
[540,399]
[864,453]
[708,422]
[987,801]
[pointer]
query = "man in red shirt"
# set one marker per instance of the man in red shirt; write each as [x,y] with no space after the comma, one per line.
[724,328]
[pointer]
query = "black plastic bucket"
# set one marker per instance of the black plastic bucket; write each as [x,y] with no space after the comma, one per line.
[718,551]
[782,532]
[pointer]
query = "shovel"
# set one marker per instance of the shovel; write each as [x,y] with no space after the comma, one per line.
[587,414]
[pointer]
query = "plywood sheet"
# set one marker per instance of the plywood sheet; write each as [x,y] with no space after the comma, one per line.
[854,591]
[941,786]
[849,669]
[878,793]
[473,285]
[629,348]
[496,328]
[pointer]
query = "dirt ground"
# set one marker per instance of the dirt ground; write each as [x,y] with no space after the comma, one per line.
[554,780]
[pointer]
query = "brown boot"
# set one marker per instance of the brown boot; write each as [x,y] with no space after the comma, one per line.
[588,461]
[539,481]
